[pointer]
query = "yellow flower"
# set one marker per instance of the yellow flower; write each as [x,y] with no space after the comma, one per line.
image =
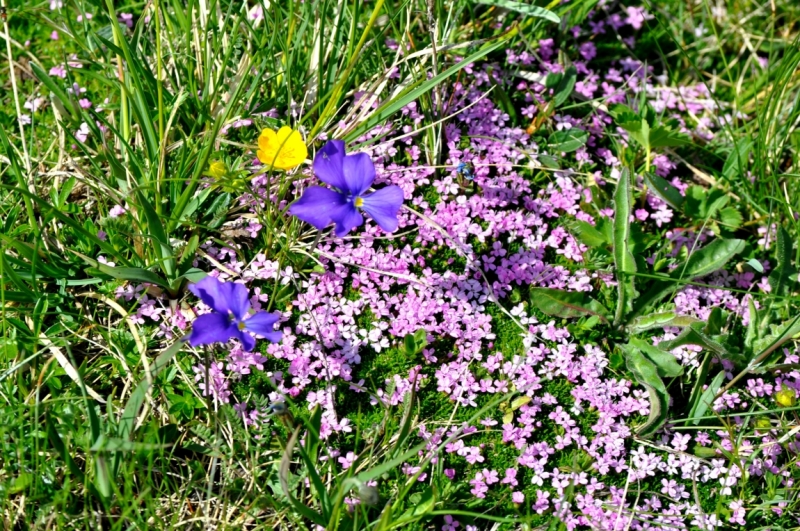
[282,150]
[217,169]
[786,397]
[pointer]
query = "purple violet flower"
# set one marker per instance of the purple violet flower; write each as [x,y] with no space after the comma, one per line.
[230,303]
[351,175]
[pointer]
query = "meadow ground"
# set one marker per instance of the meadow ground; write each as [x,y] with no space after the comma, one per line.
[451,265]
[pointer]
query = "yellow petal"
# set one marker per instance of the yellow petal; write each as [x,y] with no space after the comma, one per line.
[282,150]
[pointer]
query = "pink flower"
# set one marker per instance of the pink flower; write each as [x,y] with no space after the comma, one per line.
[59,71]
[116,211]
[347,461]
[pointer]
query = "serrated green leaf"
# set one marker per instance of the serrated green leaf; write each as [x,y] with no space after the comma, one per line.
[730,218]
[567,304]
[624,263]
[525,9]
[664,137]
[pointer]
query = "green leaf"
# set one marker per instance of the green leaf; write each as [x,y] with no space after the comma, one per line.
[751,335]
[646,374]
[410,344]
[564,87]
[624,263]
[62,97]
[421,339]
[715,322]
[567,140]
[60,447]
[774,341]
[132,274]
[133,405]
[660,320]
[730,218]
[283,474]
[666,364]
[162,246]
[737,159]
[693,335]
[665,137]
[663,189]
[702,262]
[706,399]
[526,9]
[588,234]
[784,273]
[567,304]
[421,504]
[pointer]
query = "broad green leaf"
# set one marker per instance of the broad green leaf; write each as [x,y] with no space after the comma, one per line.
[420,506]
[524,8]
[567,304]
[693,335]
[562,85]
[715,322]
[702,262]
[663,189]
[646,374]
[660,320]
[421,339]
[588,234]
[706,399]
[666,364]
[567,140]
[757,266]
[624,263]
[410,344]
